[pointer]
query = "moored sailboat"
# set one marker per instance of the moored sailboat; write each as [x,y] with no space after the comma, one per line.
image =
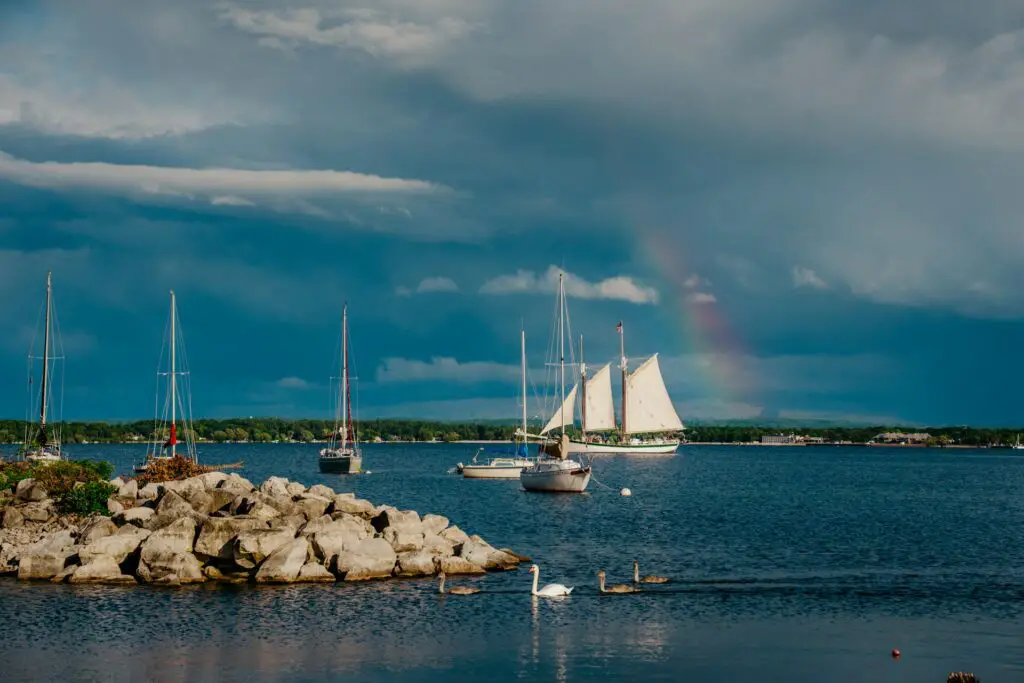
[342,454]
[509,467]
[177,404]
[42,442]
[646,409]
[557,473]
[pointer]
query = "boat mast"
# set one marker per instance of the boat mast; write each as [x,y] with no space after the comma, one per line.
[46,362]
[561,345]
[522,344]
[583,392]
[174,380]
[346,412]
[623,365]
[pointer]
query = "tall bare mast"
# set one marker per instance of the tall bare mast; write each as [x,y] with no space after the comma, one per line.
[623,365]
[46,362]
[561,344]
[522,344]
[583,392]
[346,395]
[174,379]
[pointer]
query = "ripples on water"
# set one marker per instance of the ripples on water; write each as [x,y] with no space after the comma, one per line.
[797,564]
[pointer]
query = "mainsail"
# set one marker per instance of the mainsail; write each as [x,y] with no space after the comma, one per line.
[649,408]
[600,408]
[564,412]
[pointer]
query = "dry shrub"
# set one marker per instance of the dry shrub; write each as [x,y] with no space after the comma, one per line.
[171,469]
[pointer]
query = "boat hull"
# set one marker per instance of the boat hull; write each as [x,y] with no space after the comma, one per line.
[347,463]
[556,480]
[490,472]
[652,448]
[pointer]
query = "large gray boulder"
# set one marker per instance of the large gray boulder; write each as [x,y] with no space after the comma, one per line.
[312,572]
[350,505]
[294,488]
[438,546]
[129,491]
[399,520]
[403,541]
[330,542]
[434,524]
[96,529]
[211,500]
[114,506]
[235,484]
[322,491]
[312,506]
[285,563]
[217,536]
[482,553]
[212,480]
[171,508]
[39,511]
[30,491]
[117,546]
[251,548]
[419,563]
[167,554]
[456,535]
[276,487]
[102,569]
[12,519]
[149,492]
[186,488]
[460,565]
[135,516]
[46,558]
[370,558]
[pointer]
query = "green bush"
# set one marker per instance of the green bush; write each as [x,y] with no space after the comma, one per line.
[86,499]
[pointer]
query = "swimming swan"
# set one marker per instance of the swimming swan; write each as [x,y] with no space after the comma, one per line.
[455,590]
[617,588]
[552,590]
[650,578]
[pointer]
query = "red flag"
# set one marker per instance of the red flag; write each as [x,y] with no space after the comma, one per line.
[174,437]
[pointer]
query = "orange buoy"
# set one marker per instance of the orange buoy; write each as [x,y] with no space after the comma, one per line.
[895,653]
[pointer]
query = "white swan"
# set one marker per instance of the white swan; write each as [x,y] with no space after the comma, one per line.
[552,590]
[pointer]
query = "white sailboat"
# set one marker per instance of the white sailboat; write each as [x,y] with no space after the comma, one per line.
[1017,444]
[177,401]
[42,443]
[646,409]
[558,473]
[342,454]
[507,467]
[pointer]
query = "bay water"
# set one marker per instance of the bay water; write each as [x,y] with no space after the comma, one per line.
[787,564]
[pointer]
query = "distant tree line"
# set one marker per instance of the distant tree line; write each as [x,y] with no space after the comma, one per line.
[301,430]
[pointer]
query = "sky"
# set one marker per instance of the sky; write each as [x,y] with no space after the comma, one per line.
[808,209]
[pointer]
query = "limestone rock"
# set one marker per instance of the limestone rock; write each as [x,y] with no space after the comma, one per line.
[235,484]
[331,542]
[102,569]
[252,547]
[456,535]
[136,516]
[419,563]
[169,509]
[352,506]
[168,552]
[438,546]
[293,522]
[322,491]
[30,491]
[312,506]
[217,536]
[460,565]
[40,511]
[370,558]
[12,519]
[117,482]
[114,506]
[96,529]
[117,546]
[276,487]
[312,572]
[294,488]
[403,541]
[314,525]
[399,520]
[186,488]
[210,501]
[149,492]
[434,524]
[215,574]
[480,552]
[285,563]
[212,480]
[129,491]
[46,558]
[65,573]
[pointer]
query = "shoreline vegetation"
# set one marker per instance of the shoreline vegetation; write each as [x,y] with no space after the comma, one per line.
[279,430]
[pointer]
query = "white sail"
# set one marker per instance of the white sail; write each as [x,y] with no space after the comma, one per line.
[600,407]
[648,406]
[565,410]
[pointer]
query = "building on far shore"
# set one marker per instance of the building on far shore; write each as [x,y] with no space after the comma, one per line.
[778,439]
[901,438]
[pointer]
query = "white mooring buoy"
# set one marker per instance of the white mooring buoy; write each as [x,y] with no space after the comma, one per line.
[625,492]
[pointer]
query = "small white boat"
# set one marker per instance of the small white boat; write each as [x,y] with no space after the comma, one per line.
[555,475]
[1017,444]
[342,454]
[44,445]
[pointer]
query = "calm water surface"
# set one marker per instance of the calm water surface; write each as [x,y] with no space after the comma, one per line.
[788,564]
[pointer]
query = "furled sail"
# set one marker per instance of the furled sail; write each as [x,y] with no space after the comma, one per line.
[600,414]
[648,406]
[565,410]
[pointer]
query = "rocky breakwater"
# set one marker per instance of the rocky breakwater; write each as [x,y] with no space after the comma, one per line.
[220,527]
